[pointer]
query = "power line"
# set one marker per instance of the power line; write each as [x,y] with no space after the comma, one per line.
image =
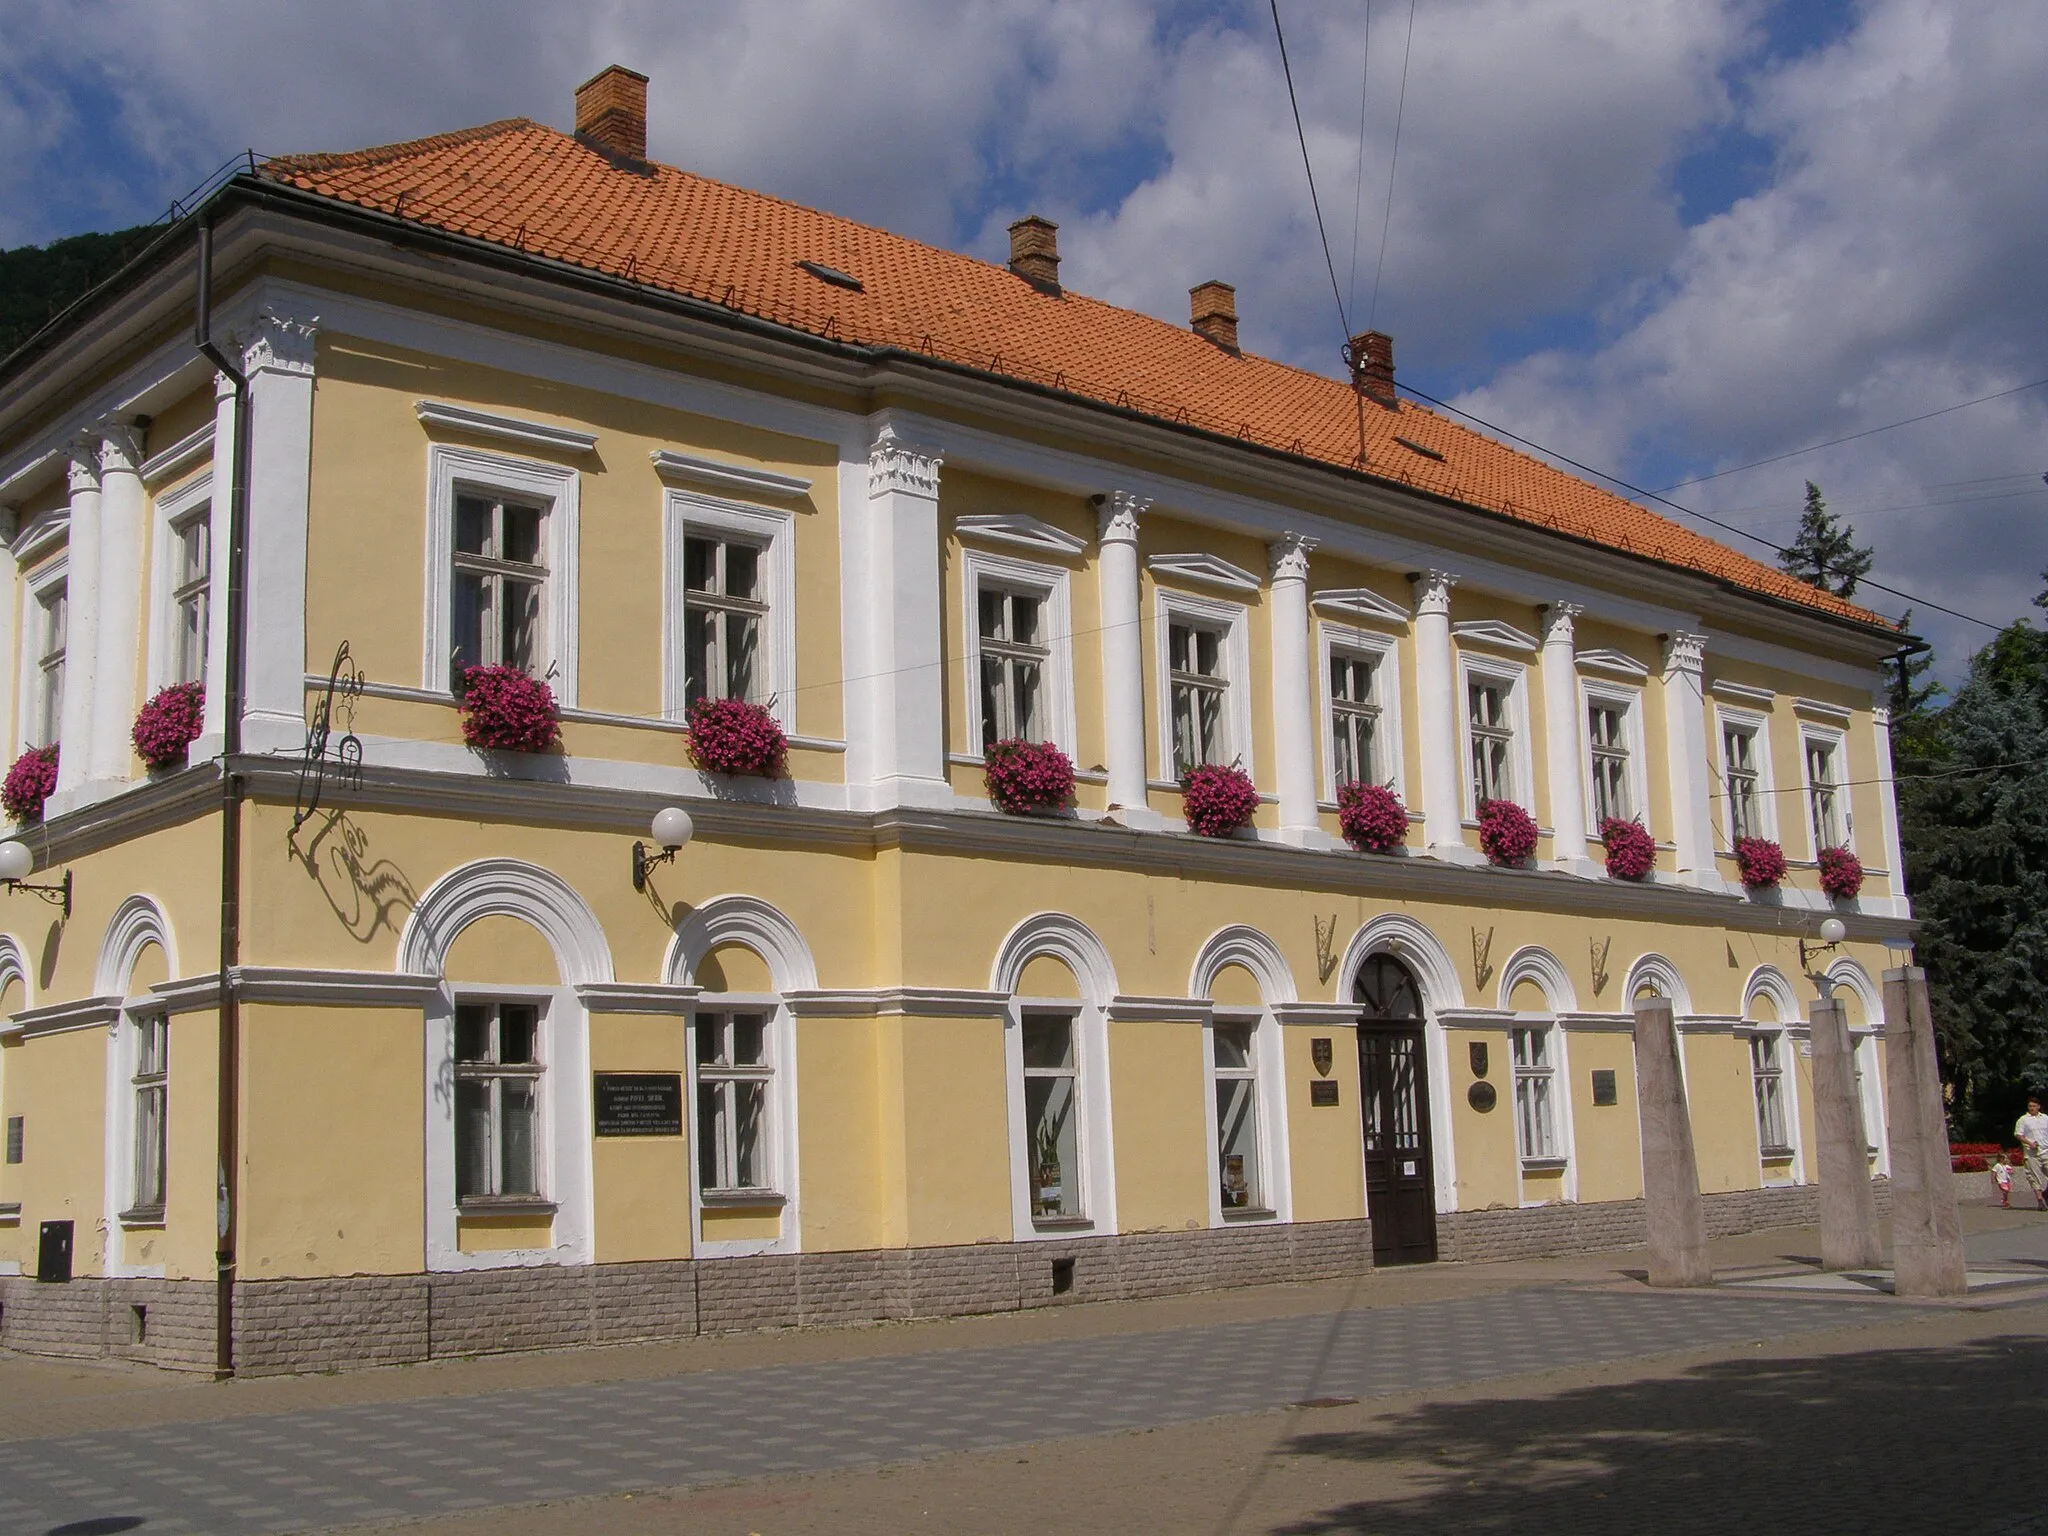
[1777,458]
[1336,292]
[1393,165]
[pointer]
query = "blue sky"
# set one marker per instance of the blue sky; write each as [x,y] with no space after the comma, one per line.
[1666,238]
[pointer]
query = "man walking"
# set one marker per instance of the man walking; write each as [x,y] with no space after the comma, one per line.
[2032,1131]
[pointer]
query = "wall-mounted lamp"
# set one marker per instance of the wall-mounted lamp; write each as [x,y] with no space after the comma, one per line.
[1832,931]
[17,864]
[671,829]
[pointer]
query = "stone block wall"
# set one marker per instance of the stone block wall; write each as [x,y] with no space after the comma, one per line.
[169,1323]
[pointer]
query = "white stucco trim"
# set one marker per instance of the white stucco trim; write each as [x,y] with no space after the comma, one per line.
[748,921]
[1629,701]
[512,429]
[1241,944]
[1054,589]
[192,498]
[505,888]
[1734,717]
[1209,613]
[1534,963]
[1515,677]
[138,922]
[27,694]
[772,532]
[1384,651]
[1658,974]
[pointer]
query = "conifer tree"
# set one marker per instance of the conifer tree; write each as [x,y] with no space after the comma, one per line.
[1825,553]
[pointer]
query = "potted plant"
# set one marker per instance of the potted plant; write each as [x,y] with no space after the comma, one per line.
[1841,873]
[1507,833]
[1218,800]
[736,737]
[1631,852]
[1027,776]
[29,782]
[1371,816]
[505,710]
[1760,862]
[168,725]
[1048,1190]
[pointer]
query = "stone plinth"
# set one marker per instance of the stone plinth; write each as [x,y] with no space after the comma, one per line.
[1848,1210]
[1674,1215]
[1927,1231]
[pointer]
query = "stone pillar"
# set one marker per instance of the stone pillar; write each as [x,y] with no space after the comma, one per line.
[219,515]
[1294,728]
[1123,660]
[81,621]
[1888,809]
[1562,734]
[1673,1211]
[1685,751]
[1437,704]
[124,508]
[277,356]
[1848,1209]
[1927,1232]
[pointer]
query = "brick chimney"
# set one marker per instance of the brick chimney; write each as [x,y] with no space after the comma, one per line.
[1035,252]
[1371,355]
[1212,311]
[611,112]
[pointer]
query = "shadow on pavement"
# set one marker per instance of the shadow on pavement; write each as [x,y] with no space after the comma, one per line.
[1893,1440]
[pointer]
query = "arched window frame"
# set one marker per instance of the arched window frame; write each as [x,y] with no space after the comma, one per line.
[1788,1031]
[136,924]
[1245,946]
[1534,964]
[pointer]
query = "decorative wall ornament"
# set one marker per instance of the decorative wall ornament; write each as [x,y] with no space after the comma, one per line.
[896,464]
[1117,516]
[336,706]
[1557,622]
[1433,591]
[1359,603]
[120,447]
[277,343]
[1326,948]
[1600,949]
[1684,652]
[1482,966]
[1203,570]
[1021,530]
[83,472]
[1287,556]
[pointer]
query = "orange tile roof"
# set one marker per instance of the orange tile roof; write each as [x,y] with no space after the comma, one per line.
[521,184]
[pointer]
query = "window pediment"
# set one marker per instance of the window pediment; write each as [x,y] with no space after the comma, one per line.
[1620,663]
[1494,633]
[1204,570]
[1360,603]
[1021,530]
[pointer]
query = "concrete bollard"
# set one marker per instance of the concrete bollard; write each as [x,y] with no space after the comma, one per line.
[1848,1208]
[1927,1231]
[1676,1216]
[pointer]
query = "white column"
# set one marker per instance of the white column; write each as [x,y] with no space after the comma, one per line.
[1685,749]
[1436,705]
[81,620]
[123,528]
[1294,734]
[277,355]
[1888,808]
[218,516]
[1561,735]
[11,596]
[1123,660]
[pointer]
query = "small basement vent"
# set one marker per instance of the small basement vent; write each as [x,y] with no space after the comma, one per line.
[833,275]
[1414,447]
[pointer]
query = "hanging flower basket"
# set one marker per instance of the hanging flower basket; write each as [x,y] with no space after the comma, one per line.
[1760,861]
[29,783]
[1371,816]
[504,710]
[1027,776]
[1631,852]
[1218,800]
[732,736]
[1841,873]
[1507,833]
[169,724]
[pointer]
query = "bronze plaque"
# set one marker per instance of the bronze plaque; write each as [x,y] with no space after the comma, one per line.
[1481,1097]
[1478,1050]
[1320,1053]
[1322,1093]
[1603,1086]
[639,1103]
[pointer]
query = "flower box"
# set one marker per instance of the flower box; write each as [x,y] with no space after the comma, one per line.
[1507,833]
[1841,873]
[1371,816]
[1218,800]
[1760,862]
[168,725]
[1027,776]
[1631,852]
[504,710]
[29,782]
[732,736]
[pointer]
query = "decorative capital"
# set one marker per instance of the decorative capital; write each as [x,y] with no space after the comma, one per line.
[1881,714]
[85,463]
[1557,622]
[1118,515]
[1433,592]
[1288,556]
[223,387]
[1684,653]
[895,464]
[120,447]
[276,343]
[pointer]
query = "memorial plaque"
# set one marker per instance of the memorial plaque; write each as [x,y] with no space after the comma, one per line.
[639,1103]
[1603,1086]
[1322,1092]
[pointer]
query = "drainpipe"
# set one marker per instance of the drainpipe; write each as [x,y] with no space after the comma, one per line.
[228,1093]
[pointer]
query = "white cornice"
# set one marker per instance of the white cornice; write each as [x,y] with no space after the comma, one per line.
[692,470]
[1820,709]
[82,1013]
[636,997]
[1618,662]
[1360,603]
[1598,1023]
[1495,633]
[921,1002]
[1204,570]
[334,988]
[1323,1015]
[511,429]
[186,451]
[1023,531]
[1162,1010]
[1741,693]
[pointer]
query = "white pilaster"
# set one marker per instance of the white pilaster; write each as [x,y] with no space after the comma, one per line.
[277,355]
[1561,736]
[1685,749]
[1436,707]
[1294,738]
[123,528]
[82,620]
[1888,808]
[1123,660]
[219,516]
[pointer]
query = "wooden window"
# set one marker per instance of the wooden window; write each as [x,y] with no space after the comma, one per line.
[497,1101]
[500,581]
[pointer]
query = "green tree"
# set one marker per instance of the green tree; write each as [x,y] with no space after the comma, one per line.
[1825,553]
[1912,696]
[38,281]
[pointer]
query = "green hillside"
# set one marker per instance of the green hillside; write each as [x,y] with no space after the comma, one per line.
[38,281]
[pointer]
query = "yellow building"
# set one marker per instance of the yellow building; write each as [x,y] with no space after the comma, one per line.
[867,1046]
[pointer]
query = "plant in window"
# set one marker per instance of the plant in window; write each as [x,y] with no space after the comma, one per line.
[1372,816]
[1631,852]
[1027,776]
[29,783]
[1841,873]
[1218,799]
[169,724]
[507,711]
[1507,833]
[1760,862]
[736,737]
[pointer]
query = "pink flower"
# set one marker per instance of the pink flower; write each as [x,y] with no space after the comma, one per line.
[734,737]
[29,783]
[1760,861]
[1631,853]
[1372,816]
[1507,833]
[1218,800]
[1841,873]
[168,724]
[505,710]
[1027,776]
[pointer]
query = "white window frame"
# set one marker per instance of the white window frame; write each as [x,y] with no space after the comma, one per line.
[1837,743]
[538,1072]
[1785,1071]
[779,1144]
[1268,1074]
[1630,702]
[1091,1057]
[1759,727]
[193,499]
[766,1072]
[1385,653]
[452,469]
[28,689]
[132,1029]
[1235,650]
[1559,1156]
[687,514]
[1053,589]
[1515,678]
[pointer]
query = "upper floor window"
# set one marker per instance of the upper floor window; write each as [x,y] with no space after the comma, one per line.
[192,579]
[1052,1119]
[1607,740]
[1199,682]
[51,618]
[1535,1094]
[734,1076]
[500,579]
[1742,762]
[497,1101]
[1490,723]
[1824,793]
[1014,658]
[1242,1180]
[725,618]
[1355,717]
[1767,1074]
[729,609]
[149,1082]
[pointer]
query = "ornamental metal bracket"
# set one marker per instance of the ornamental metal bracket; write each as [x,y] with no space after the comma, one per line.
[57,894]
[337,705]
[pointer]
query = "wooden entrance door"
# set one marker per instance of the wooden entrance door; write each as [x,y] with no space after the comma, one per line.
[1393,1097]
